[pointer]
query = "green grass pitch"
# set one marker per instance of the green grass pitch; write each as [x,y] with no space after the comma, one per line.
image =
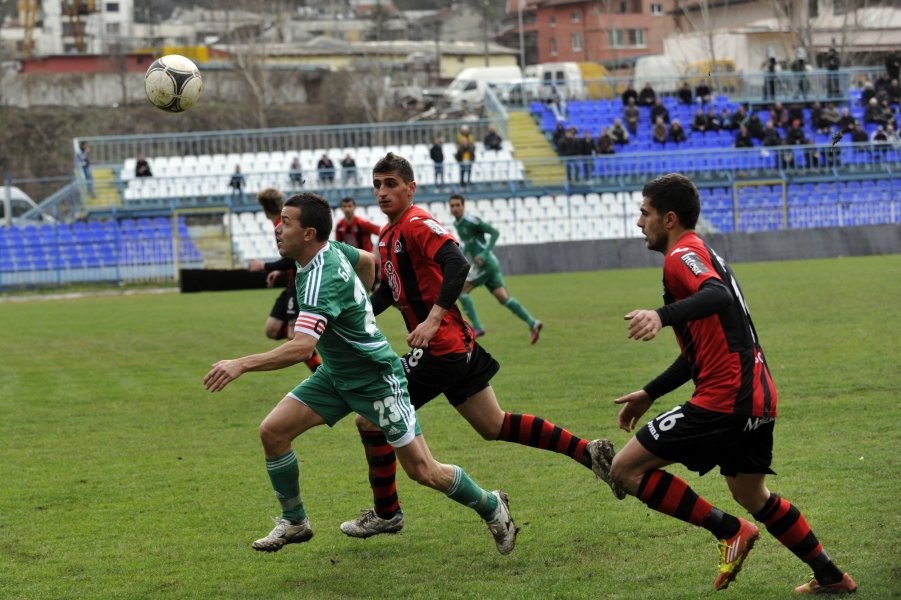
[120,477]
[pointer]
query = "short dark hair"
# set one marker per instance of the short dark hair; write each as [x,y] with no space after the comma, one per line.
[271,201]
[315,212]
[676,193]
[457,197]
[348,200]
[392,163]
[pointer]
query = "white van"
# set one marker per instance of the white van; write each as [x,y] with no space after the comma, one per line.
[20,204]
[573,80]
[661,71]
[470,84]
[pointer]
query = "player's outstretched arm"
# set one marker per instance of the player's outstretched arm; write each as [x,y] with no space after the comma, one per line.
[290,353]
[365,269]
[635,405]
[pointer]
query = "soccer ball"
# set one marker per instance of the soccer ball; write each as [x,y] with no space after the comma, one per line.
[173,83]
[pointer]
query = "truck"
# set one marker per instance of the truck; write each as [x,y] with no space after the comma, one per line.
[470,84]
[574,80]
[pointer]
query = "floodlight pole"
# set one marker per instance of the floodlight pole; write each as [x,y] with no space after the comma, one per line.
[522,45]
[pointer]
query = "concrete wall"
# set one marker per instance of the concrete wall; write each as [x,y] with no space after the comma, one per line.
[561,257]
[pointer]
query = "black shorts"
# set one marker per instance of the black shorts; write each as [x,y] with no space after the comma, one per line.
[701,439]
[457,376]
[285,307]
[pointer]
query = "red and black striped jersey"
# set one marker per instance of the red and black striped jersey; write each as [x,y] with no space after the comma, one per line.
[407,251]
[723,350]
[358,233]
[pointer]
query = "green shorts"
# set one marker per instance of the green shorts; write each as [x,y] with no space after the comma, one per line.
[488,275]
[384,401]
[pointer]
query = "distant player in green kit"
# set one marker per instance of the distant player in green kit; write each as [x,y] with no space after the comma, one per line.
[361,373]
[485,268]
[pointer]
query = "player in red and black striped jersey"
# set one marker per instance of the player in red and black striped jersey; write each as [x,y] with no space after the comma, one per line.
[423,272]
[729,420]
[280,323]
[353,229]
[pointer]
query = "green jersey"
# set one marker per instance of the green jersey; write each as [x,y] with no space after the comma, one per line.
[333,307]
[472,231]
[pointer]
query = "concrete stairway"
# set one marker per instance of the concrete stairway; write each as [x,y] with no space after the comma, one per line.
[529,144]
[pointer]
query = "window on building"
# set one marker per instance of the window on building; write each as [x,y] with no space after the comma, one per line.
[627,38]
[112,7]
[575,16]
[553,21]
[68,31]
[626,6]
[657,9]
[553,47]
[528,18]
[112,28]
[577,42]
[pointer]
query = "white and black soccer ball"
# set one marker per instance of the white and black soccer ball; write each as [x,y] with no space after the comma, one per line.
[173,83]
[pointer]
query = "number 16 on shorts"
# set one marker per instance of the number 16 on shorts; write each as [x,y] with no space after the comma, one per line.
[664,422]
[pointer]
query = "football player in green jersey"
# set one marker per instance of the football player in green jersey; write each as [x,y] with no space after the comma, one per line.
[486,269]
[361,373]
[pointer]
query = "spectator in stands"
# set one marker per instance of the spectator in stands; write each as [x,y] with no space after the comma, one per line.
[892,137]
[769,85]
[893,65]
[725,119]
[794,134]
[84,162]
[142,167]
[492,140]
[846,122]
[796,113]
[629,94]
[236,183]
[740,116]
[829,118]
[874,113]
[867,94]
[881,85]
[557,102]
[349,169]
[326,170]
[702,92]
[771,135]
[466,154]
[684,93]
[858,135]
[894,92]
[699,123]
[888,114]
[587,150]
[833,88]
[605,142]
[743,138]
[618,132]
[755,126]
[879,140]
[558,135]
[816,115]
[779,115]
[659,131]
[676,132]
[631,114]
[436,153]
[799,67]
[570,149]
[658,110]
[295,173]
[713,121]
[647,96]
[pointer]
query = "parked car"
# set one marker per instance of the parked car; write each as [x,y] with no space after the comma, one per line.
[20,204]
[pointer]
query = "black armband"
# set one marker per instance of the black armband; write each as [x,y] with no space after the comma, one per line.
[454,268]
[678,373]
[710,299]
